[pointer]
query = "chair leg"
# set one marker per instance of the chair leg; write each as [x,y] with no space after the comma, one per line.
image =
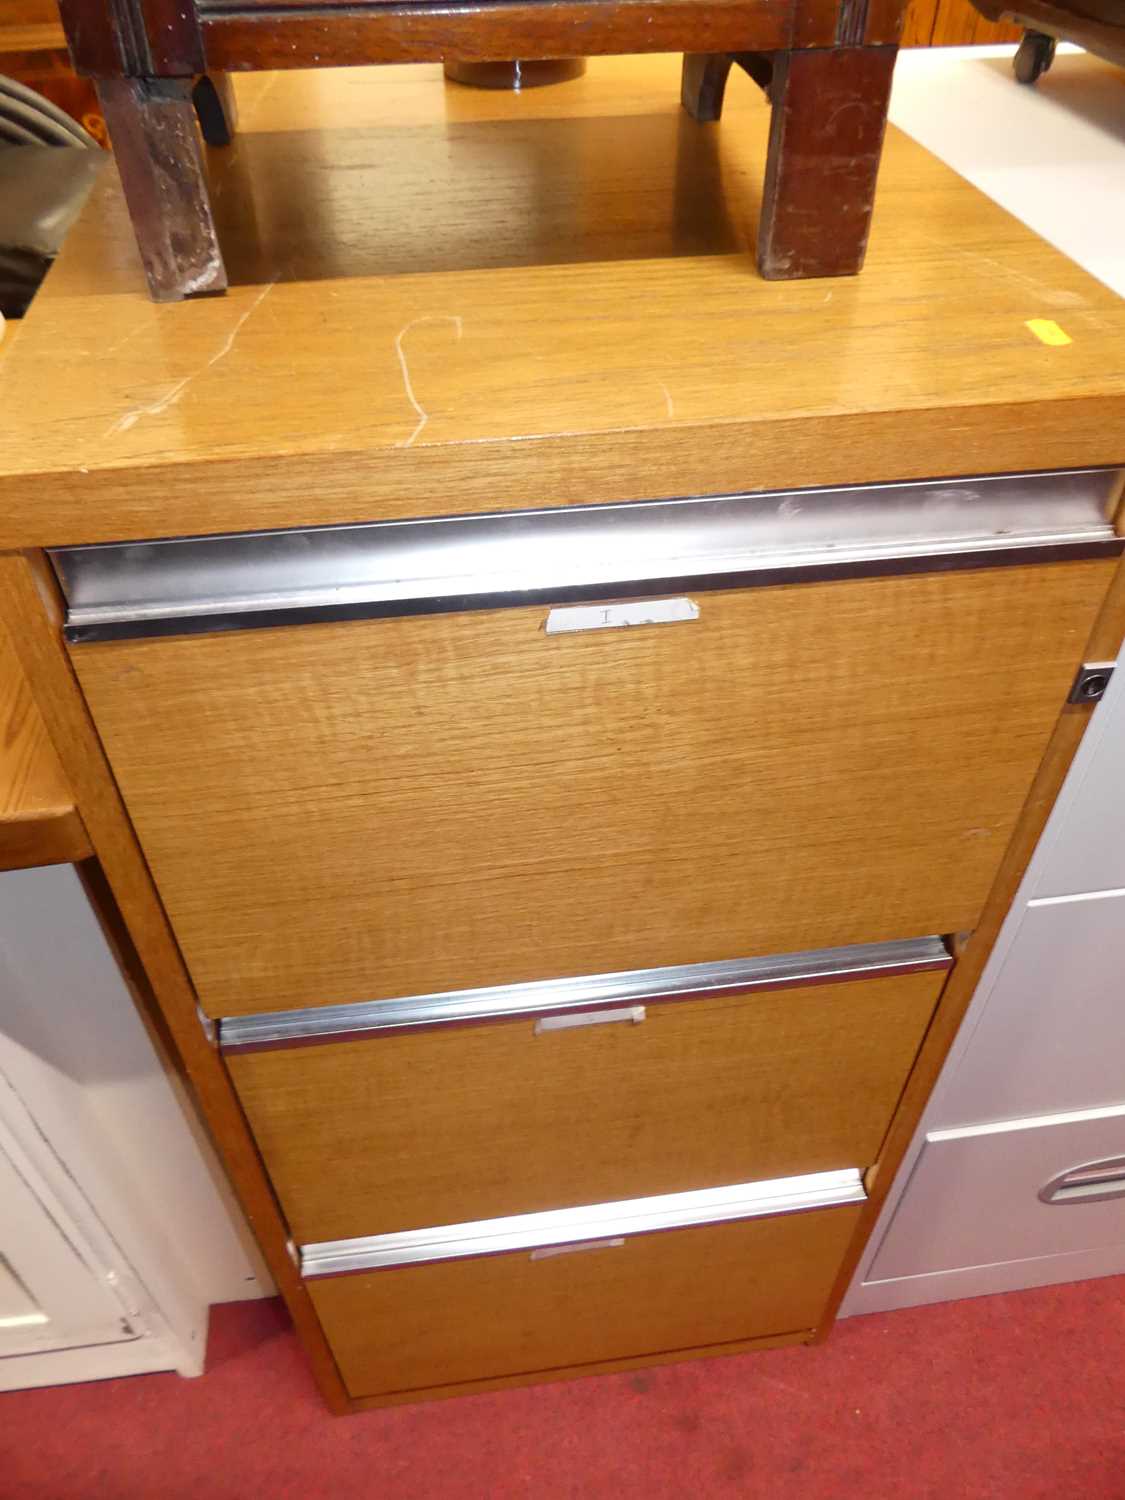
[215,105]
[826,139]
[152,131]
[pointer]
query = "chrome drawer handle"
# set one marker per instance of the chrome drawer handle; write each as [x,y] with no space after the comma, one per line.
[739,976]
[634,1013]
[583,554]
[1092,1182]
[593,1225]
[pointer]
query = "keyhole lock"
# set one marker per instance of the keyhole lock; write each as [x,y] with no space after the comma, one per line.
[1092,680]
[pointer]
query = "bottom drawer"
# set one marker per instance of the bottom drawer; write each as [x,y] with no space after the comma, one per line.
[646,1295]
[976,1195]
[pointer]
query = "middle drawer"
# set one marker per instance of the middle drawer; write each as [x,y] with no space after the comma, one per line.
[454,1123]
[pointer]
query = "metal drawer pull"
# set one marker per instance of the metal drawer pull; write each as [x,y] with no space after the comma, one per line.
[334,1023]
[581,553]
[578,1226]
[1092,1182]
[634,1013]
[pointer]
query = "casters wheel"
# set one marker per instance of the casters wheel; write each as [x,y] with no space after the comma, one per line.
[1034,56]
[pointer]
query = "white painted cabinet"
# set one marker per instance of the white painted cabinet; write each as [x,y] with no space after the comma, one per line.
[51,1297]
[116,1226]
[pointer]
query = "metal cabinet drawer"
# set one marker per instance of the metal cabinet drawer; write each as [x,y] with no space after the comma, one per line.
[404,1128]
[1051,1036]
[1085,842]
[974,1197]
[612,1290]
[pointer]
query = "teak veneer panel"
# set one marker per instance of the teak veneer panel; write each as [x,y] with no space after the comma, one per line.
[656,1294]
[39,824]
[360,811]
[465,1123]
[571,336]
[30,609]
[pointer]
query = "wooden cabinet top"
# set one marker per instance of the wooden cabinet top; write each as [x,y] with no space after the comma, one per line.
[447,300]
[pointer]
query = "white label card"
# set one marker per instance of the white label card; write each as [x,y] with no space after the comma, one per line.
[548,1251]
[634,1013]
[573,617]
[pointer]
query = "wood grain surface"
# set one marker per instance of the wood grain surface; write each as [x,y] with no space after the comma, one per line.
[39,824]
[467,1123]
[30,610]
[453,300]
[583,1372]
[654,1295]
[952,23]
[359,811]
[469,32]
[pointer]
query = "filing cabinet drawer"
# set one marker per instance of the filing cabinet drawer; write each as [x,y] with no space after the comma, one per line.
[432,773]
[1050,1036]
[983,1194]
[658,1294]
[451,1123]
[344,812]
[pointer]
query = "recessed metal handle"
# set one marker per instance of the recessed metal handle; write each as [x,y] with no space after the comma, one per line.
[508,1002]
[583,554]
[590,1224]
[1092,1182]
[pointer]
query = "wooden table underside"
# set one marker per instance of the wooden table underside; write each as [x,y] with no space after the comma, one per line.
[1098,26]
[826,66]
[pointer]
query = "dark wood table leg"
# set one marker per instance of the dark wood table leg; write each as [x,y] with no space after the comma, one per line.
[826,138]
[213,97]
[703,81]
[152,129]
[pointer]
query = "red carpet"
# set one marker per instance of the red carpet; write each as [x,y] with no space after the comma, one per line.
[1010,1398]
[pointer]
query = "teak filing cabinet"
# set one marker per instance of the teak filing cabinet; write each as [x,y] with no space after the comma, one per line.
[559,760]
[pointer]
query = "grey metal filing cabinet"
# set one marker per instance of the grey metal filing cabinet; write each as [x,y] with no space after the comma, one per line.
[1016,1177]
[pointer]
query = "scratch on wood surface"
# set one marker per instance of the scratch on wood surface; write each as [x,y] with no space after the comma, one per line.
[407,383]
[128,339]
[1053,296]
[668,406]
[131,418]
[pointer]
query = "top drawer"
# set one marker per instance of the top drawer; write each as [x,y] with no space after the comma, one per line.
[346,810]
